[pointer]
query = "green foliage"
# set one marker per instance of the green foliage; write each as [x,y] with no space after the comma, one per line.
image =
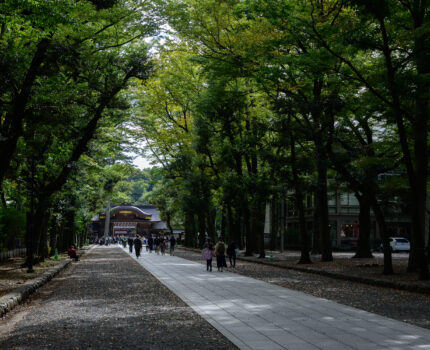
[12,228]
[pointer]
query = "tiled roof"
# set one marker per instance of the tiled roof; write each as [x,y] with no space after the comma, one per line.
[131,207]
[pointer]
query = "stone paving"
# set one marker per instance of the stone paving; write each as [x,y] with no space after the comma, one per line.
[405,306]
[107,301]
[257,315]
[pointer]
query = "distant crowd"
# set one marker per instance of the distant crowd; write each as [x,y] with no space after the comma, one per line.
[161,244]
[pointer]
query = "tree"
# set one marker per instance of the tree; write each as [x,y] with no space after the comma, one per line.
[399,47]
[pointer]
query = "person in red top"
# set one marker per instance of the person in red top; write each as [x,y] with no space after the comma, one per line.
[72,253]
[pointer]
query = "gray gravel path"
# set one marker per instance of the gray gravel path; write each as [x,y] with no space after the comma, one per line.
[107,301]
[413,308]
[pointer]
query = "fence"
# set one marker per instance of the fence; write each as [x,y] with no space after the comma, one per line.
[11,253]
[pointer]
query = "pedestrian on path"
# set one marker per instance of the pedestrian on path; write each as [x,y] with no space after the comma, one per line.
[172,245]
[231,252]
[157,245]
[137,246]
[220,255]
[150,243]
[163,246]
[208,254]
[130,244]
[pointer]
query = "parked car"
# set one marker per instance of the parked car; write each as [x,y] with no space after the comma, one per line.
[398,244]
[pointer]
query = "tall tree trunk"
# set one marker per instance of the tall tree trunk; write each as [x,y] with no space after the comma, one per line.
[420,130]
[223,225]
[169,222]
[416,166]
[3,198]
[230,223]
[53,234]
[68,232]
[380,219]
[250,244]
[363,246]
[428,237]
[210,224]
[258,225]
[298,189]
[238,229]
[190,230]
[316,241]
[272,220]
[322,203]
[202,229]
[43,252]
[13,120]
[35,220]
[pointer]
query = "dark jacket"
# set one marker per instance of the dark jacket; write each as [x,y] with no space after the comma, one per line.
[231,249]
[137,243]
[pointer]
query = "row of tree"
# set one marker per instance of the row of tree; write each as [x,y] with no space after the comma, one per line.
[65,69]
[252,99]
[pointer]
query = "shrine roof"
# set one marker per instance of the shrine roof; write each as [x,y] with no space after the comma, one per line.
[132,208]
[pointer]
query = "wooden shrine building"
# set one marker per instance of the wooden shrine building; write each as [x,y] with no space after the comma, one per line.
[128,220]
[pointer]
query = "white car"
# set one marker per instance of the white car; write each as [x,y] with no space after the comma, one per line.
[398,244]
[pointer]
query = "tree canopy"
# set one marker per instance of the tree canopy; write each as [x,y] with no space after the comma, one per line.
[241,105]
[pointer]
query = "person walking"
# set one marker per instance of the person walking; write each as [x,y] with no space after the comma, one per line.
[157,245]
[162,246]
[172,245]
[208,254]
[231,252]
[130,244]
[137,246]
[150,243]
[220,255]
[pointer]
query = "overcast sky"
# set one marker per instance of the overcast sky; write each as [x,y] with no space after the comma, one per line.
[142,163]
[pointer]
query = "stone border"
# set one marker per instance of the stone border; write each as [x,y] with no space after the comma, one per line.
[10,300]
[341,276]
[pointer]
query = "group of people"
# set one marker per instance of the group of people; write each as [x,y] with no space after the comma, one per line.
[107,240]
[218,252]
[157,244]
[160,244]
[136,243]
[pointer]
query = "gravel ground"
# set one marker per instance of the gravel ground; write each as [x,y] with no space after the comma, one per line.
[107,301]
[404,306]
[12,274]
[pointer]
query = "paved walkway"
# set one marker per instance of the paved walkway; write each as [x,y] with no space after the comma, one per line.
[258,315]
[107,301]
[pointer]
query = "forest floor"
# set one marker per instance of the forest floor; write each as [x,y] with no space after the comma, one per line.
[12,274]
[344,265]
[407,306]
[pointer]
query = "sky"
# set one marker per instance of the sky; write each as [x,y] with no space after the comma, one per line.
[142,163]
